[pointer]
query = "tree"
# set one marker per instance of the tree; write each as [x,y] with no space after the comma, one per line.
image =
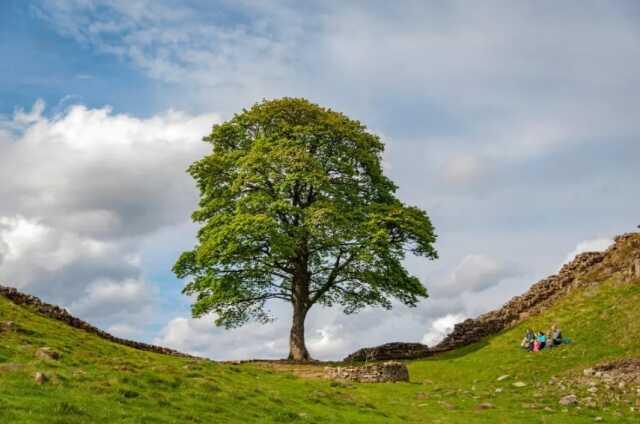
[294,206]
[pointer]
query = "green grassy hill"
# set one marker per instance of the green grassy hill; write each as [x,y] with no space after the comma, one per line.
[97,381]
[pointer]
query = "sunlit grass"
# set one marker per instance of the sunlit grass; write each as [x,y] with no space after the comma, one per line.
[97,381]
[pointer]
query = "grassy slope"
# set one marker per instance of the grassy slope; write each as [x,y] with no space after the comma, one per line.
[97,381]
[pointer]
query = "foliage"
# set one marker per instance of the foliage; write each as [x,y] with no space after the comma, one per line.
[294,206]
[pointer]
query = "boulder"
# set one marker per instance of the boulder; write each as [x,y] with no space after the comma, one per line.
[390,351]
[390,371]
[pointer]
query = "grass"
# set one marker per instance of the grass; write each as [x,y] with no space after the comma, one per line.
[96,381]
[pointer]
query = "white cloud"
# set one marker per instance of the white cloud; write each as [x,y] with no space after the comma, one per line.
[86,187]
[480,99]
[440,328]
[200,337]
[328,341]
[475,273]
[594,245]
[102,174]
[104,297]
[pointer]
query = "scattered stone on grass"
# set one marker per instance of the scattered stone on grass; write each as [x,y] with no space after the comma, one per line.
[519,384]
[47,353]
[7,326]
[390,371]
[447,405]
[40,377]
[502,377]
[485,405]
[568,400]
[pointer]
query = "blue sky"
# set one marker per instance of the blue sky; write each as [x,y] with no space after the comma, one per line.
[514,125]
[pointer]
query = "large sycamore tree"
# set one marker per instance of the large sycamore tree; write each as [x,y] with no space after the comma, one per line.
[294,206]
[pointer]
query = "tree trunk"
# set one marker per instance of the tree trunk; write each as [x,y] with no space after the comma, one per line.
[297,347]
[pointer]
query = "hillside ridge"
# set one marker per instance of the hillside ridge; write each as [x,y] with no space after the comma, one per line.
[588,268]
[61,314]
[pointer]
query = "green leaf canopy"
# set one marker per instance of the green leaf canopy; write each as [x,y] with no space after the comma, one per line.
[294,206]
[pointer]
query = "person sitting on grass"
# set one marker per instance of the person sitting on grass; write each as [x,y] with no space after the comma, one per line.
[542,339]
[527,342]
[556,336]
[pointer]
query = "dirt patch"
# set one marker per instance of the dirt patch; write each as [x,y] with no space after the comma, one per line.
[308,370]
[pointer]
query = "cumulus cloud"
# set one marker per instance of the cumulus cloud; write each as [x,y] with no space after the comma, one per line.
[440,328]
[594,245]
[476,273]
[102,174]
[200,337]
[87,186]
[543,123]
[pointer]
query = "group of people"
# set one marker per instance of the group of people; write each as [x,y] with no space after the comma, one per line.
[536,341]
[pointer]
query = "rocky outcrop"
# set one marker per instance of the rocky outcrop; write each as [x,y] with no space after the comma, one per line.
[390,351]
[621,258]
[62,315]
[374,373]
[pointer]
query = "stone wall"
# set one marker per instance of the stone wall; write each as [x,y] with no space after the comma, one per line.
[62,315]
[373,373]
[621,258]
[390,351]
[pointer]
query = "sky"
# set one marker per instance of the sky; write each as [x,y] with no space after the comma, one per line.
[515,125]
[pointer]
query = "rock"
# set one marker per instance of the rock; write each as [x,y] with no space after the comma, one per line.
[502,377]
[499,390]
[40,378]
[598,419]
[485,405]
[47,353]
[548,409]
[390,351]
[447,405]
[569,400]
[592,389]
[588,372]
[7,326]
[390,371]
[519,384]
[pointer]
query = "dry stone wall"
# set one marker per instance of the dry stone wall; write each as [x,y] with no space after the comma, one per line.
[390,371]
[390,351]
[60,314]
[622,258]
